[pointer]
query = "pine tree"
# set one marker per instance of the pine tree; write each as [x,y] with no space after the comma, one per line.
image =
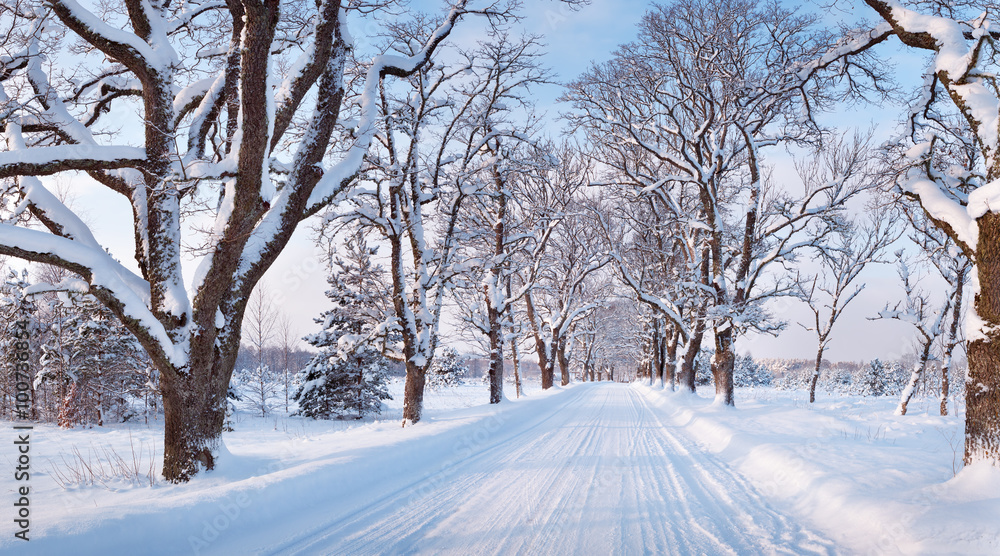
[703,367]
[348,376]
[95,365]
[749,373]
[108,363]
[875,380]
[448,369]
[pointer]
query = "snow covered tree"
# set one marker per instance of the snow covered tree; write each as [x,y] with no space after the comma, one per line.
[568,288]
[237,102]
[874,381]
[433,156]
[256,383]
[331,386]
[448,369]
[498,224]
[748,373]
[842,262]
[705,121]
[954,267]
[93,364]
[961,40]
[916,310]
[348,375]
[108,367]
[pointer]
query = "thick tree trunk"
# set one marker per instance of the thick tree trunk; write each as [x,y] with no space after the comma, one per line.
[194,412]
[982,386]
[671,348]
[687,375]
[413,392]
[722,366]
[496,358]
[194,402]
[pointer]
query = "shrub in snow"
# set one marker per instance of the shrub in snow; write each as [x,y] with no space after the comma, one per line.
[749,373]
[703,367]
[875,380]
[448,369]
[335,387]
[258,388]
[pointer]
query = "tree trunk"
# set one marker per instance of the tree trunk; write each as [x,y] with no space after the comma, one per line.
[687,374]
[657,346]
[496,357]
[541,350]
[815,375]
[918,372]
[413,392]
[194,412]
[563,362]
[513,354]
[982,387]
[722,365]
[671,348]
[949,348]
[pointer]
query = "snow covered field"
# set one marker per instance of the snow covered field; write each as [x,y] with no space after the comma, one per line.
[588,469]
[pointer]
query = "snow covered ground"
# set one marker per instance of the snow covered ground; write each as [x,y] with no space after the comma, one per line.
[588,469]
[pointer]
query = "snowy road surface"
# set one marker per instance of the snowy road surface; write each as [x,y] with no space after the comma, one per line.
[589,469]
[596,472]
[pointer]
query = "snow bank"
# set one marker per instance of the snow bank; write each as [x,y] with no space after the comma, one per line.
[873,482]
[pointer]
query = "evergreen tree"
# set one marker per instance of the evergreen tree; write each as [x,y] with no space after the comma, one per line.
[703,367]
[348,376]
[448,369]
[875,380]
[94,365]
[109,366]
[749,373]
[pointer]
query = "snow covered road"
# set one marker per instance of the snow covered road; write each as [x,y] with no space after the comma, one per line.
[595,473]
[590,469]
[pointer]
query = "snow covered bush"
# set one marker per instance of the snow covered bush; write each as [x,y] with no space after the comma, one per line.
[258,388]
[448,369]
[874,381]
[747,373]
[334,387]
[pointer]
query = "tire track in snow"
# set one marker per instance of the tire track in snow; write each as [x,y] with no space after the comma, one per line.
[599,473]
[333,534]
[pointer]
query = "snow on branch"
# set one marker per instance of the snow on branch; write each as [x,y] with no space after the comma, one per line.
[119,44]
[44,161]
[335,179]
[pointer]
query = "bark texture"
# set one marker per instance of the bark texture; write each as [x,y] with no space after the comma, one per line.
[982,387]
